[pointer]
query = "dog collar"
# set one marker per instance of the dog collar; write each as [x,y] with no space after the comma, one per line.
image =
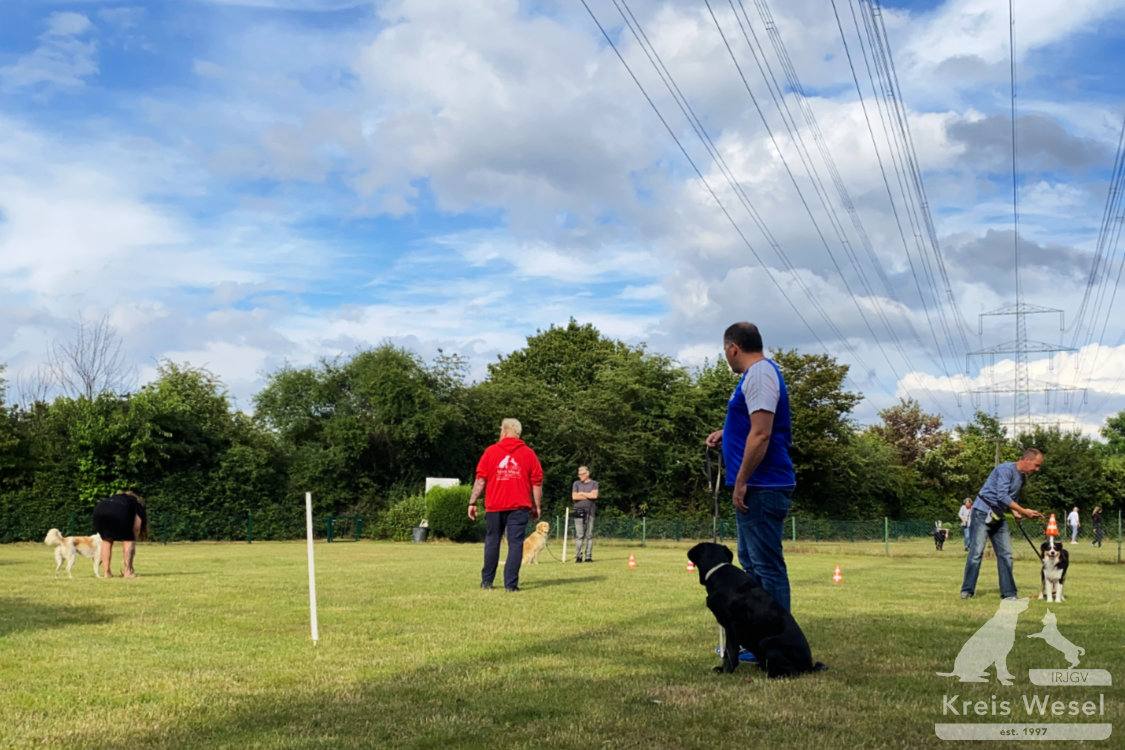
[712,570]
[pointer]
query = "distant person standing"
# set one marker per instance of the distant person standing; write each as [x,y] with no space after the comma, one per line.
[755,440]
[1099,531]
[997,497]
[514,480]
[1072,519]
[966,516]
[584,493]
[121,518]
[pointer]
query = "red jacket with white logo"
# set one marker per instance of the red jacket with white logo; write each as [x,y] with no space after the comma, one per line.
[510,469]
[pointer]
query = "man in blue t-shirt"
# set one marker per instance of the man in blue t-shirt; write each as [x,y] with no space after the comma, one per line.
[996,497]
[755,440]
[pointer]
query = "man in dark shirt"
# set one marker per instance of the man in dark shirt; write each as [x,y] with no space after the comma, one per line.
[584,492]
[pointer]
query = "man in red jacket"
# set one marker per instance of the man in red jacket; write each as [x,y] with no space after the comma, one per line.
[515,490]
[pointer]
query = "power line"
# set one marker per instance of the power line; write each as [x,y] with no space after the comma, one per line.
[714,195]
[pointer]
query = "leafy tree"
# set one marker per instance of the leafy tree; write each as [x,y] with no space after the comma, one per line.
[1071,474]
[819,408]
[12,465]
[353,428]
[636,419]
[1114,434]
[909,431]
[871,482]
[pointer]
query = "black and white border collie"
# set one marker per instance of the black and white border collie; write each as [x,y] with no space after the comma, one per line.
[1055,562]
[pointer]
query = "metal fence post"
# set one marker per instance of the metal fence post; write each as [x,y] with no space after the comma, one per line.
[249,527]
[793,525]
[886,536]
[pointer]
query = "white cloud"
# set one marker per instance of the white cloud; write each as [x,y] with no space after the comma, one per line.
[460,175]
[62,60]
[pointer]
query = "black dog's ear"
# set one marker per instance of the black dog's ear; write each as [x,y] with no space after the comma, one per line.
[728,554]
[694,553]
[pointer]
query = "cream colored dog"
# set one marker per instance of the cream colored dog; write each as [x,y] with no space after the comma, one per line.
[535,543]
[67,548]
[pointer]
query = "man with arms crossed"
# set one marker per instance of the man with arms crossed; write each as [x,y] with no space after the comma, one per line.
[997,496]
[584,492]
[755,440]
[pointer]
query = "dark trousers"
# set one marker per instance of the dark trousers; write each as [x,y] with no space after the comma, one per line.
[514,522]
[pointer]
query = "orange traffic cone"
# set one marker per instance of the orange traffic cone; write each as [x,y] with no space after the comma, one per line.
[690,566]
[632,561]
[837,577]
[1052,526]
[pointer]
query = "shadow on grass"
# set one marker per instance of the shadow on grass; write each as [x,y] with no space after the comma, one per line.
[22,614]
[560,582]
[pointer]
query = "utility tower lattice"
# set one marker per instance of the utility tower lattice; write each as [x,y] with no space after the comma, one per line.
[1021,347]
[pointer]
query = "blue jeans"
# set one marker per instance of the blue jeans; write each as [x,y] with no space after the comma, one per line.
[514,522]
[965,533]
[1001,545]
[759,540]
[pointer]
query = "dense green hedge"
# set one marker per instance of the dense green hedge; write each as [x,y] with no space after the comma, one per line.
[398,523]
[448,514]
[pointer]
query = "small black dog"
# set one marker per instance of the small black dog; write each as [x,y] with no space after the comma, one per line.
[1055,562]
[750,617]
[940,535]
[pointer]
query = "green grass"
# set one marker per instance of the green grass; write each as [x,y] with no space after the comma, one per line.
[210,648]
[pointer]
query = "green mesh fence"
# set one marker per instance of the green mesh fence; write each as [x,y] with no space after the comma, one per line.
[289,523]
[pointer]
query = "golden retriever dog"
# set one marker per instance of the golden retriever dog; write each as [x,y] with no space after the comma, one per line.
[67,548]
[535,543]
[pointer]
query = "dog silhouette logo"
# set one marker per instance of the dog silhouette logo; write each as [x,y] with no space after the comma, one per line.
[989,646]
[1052,637]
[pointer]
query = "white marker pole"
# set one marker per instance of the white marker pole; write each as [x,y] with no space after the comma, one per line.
[566,527]
[312,566]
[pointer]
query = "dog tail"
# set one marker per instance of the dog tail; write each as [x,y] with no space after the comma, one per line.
[54,538]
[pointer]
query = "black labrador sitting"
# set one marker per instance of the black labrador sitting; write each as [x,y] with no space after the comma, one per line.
[750,617]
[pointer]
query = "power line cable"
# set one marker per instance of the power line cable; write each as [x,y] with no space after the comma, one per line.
[722,207]
[796,88]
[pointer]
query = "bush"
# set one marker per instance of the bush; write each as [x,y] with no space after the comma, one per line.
[398,523]
[448,514]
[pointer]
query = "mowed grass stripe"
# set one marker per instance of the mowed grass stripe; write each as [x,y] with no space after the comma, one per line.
[210,648]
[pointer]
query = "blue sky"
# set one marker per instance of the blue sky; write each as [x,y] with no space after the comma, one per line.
[240,185]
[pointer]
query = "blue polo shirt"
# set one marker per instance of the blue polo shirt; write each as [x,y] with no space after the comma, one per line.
[1001,489]
[761,388]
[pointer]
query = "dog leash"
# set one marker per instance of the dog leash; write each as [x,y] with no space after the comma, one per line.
[713,481]
[1019,525]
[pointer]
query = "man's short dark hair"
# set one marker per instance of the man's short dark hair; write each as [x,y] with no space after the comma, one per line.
[1032,453]
[745,335]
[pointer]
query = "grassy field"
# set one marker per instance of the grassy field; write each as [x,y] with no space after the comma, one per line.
[210,648]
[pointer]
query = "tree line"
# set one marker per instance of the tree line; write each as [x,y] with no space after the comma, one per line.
[362,432]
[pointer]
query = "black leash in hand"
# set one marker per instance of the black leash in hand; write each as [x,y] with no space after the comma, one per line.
[1019,525]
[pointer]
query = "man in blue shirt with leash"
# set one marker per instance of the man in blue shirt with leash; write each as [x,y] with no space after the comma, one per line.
[755,440]
[998,496]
